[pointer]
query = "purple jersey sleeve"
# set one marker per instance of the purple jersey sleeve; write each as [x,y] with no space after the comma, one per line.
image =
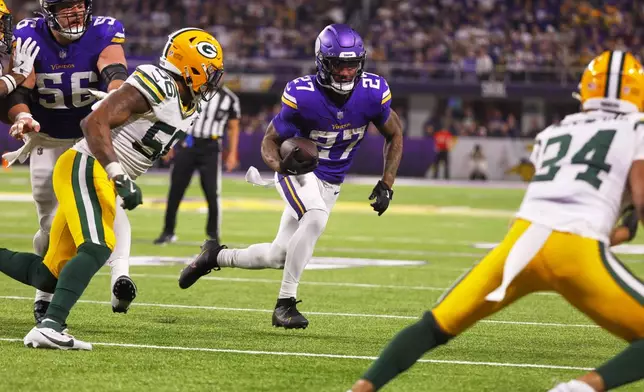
[107,31]
[25,28]
[288,122]
[381,97]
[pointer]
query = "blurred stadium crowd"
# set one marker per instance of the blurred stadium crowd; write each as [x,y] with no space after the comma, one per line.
[468,40]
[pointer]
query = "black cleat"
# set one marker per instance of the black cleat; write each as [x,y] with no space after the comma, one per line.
[286,314]
[202,265]
[40,309]
[165,238]
[124,291]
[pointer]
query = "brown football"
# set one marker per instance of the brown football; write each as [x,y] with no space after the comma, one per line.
[308,150]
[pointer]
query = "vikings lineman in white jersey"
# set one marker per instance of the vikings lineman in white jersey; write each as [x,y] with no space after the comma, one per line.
[130,129]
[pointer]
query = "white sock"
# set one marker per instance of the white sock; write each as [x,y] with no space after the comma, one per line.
[42,296]
[119,266]
[258,256]
[300,250]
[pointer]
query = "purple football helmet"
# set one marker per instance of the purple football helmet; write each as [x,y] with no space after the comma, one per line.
[70,24]
[339,56]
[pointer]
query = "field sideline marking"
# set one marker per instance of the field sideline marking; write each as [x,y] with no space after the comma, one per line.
[316,355]
[364,315]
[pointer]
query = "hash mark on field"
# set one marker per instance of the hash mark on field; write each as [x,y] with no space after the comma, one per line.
[333,314]
[318,355]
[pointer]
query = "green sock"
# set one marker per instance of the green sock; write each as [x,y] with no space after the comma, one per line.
[74,278]
[625,368]
[27,268]
[405,349]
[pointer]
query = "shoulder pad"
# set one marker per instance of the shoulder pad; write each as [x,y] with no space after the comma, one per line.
[154,83]
[28,27]
[377,87]
[107,29]
[298,91]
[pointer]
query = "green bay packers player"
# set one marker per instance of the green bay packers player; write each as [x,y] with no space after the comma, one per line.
[127,131]
[560,239]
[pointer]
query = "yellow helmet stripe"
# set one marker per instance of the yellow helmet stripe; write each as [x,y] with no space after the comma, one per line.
[615,64]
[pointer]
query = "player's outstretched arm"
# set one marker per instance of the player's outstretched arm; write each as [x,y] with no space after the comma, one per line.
[22,67]
[271,148]
[114,111]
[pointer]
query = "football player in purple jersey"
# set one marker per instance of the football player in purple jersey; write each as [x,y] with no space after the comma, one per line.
[333,108]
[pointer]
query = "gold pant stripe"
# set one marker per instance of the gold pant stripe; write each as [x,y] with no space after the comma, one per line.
[578,268]
[86,211]
[89,208]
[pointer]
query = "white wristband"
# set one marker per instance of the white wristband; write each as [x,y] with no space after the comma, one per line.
[10,81]
[22,115]
[114,169]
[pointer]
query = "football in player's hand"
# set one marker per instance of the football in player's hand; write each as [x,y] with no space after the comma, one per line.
[307,149]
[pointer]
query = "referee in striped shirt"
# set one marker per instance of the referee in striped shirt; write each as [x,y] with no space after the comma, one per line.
[202,151]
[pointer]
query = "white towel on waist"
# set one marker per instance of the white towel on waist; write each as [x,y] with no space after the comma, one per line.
[31,140]
[523,251]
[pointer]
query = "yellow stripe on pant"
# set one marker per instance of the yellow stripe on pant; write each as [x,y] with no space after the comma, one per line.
[86,208]
[580,269]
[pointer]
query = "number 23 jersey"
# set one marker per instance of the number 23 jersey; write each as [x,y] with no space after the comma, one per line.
[65,73]
[581,172]
[145,138]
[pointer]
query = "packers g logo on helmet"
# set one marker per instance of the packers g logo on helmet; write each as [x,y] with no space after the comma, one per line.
[197,57]
[207,50]
[613,81]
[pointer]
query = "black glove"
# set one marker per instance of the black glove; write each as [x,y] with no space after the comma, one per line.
[630,221]
[129,191]
[291,166]
[382,193]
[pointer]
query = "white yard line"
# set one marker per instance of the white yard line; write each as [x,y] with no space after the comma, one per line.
[332,314]
[318,355]
[324,284]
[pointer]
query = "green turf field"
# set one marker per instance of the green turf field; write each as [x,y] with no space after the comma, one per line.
[217,335]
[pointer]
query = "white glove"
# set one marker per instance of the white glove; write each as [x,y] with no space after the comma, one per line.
[25,123]
[24,56]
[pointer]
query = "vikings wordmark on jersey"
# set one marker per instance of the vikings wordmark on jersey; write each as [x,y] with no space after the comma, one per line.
[338,130]
[66,73]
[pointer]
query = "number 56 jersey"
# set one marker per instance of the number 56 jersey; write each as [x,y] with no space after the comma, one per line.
[145,138]
[581,172]
[65,73]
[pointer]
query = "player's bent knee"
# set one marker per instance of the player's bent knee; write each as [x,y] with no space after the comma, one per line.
[100,253]
[277,257]
[43,279]
[431,324]
[41,243]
